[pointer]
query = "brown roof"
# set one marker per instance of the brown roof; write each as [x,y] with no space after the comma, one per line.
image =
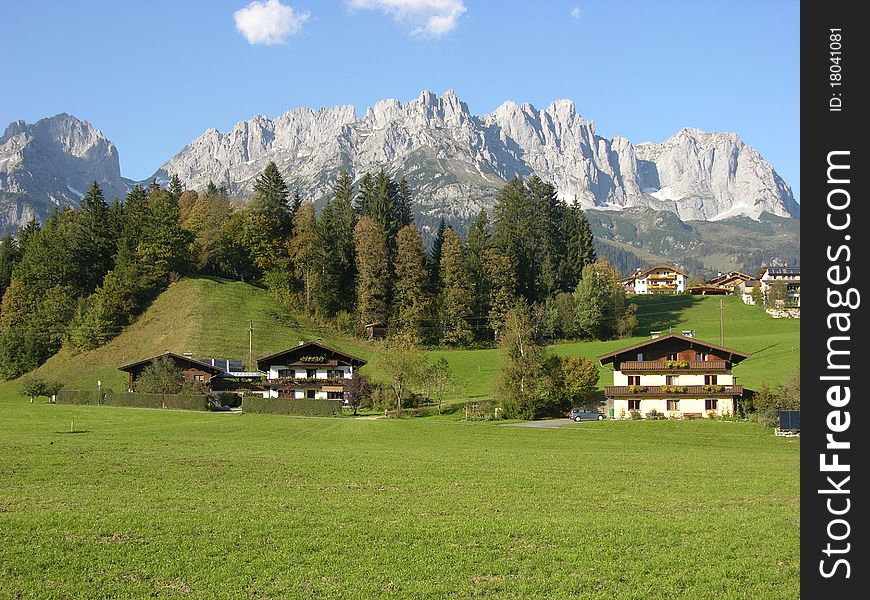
[348,357]
[607,358]
[728,276]
[650,270]
[204,366]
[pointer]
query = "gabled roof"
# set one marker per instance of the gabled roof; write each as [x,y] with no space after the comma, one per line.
[273,358]
[193,362]
[728,277]
[641,274]
[736,355]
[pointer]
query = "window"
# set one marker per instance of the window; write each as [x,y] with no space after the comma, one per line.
[710,404]
[640,356]
[200,378]
[699,356]
[673,405]
[671,356]
[285,373]
[634,405]
[335,395]
[672,379]
[335,374]
[311,374]
[310,393]
[634,380]
[710,379]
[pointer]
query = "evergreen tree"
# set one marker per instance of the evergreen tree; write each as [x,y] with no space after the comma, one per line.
[10,255]
[457,295]
[405,213]
[373,283]
[516,236]
[579,246]
[164,246]
[410,301]
[548,234]
[269,221]
[92,241]
[365,196]
[336,250]
[383,209]
[176,188]
[303,253]
[206,220]
[435,257]
[499,275]
[476,244]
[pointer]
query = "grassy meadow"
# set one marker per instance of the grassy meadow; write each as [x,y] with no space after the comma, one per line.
[103,502]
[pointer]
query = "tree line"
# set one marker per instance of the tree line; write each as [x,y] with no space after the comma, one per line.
[81,277]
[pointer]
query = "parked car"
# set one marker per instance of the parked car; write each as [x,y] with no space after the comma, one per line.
[585,414]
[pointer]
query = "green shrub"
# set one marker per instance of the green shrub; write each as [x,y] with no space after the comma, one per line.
[78,397]
[653,414]
[229,399]
[635,414]
[292,406]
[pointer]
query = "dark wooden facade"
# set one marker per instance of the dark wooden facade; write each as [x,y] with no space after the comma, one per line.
[191,369]
[701,356]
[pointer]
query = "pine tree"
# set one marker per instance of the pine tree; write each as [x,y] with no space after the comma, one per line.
[336,250]
[579,246]
[383,209]
[405,213]
[549,235]
[269,221]
[303,253]
[365,196]
[176,188]
[476,243]
[92,241]
[373,282]
[164,246]
[515,234]
[435,257]
[457,295]
[10,255]
[410,301]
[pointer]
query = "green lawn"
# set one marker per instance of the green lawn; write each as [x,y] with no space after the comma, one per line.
[149,503]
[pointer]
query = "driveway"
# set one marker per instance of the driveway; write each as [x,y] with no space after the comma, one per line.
[545,424]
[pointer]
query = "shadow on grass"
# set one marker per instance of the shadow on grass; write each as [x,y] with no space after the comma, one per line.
[73,431]
[659,313]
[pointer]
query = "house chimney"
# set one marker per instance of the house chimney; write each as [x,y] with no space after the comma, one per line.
[301,343]
[188,355]
[655,334]
[689,332]
[720,274]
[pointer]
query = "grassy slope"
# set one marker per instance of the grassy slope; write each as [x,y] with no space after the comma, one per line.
[209,317]
[146,503]
[206,316]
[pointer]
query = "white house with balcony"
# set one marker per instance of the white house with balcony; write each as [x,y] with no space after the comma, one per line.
[309,370]
[661,279]
[673,375]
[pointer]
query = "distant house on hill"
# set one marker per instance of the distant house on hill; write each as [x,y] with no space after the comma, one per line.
[676,375]
[309,370]
[790,277]
[729,280]
[191,368]
[661,279]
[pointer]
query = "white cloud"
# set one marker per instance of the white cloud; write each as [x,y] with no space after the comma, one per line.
[268,22]
[576,12]
[430,18]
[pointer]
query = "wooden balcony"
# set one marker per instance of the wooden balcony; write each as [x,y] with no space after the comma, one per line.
[306,381]
[657,366]
[671,391]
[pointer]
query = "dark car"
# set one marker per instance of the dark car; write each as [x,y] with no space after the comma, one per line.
[584,414]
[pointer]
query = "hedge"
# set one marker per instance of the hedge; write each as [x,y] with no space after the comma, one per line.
[77,397]
[291,406]
[134,399]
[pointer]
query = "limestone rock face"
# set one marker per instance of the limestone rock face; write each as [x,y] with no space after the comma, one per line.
[50,164]
[456,161]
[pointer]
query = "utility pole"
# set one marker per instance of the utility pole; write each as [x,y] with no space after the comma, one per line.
[251,345]
[721,322]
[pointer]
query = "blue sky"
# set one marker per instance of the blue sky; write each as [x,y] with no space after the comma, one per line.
[154,75]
